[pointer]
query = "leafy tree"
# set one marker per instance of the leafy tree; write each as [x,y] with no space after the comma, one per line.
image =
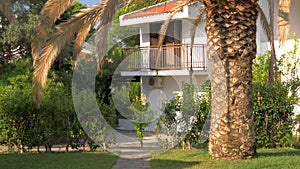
[24,125]
[142,116]
[16,35]
[189,112]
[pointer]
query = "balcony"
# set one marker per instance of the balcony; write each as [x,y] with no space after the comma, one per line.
[172,57]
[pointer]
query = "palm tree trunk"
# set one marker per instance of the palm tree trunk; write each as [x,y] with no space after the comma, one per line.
[231,44]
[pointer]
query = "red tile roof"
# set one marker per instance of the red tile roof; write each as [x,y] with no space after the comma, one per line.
[165,7]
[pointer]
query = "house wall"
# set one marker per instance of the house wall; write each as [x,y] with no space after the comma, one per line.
[144,35]
[200,35]
[293,16]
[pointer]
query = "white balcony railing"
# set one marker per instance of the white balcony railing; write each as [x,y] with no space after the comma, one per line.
[172,57]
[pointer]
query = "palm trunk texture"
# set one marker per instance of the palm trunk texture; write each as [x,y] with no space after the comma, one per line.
[231,45]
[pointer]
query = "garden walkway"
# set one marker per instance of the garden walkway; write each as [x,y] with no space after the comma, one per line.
[131,155]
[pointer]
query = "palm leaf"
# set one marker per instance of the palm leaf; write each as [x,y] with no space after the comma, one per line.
[164,28]
[196,22]
[81,36]
[111,6]
[104,14]
[283,25]
[51,11]
[63,34]
[6,8]
[265,23]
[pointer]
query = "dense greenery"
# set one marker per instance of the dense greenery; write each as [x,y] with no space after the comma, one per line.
[193,106]
[15,37]
[198,159]
[273,109]
[273,105]
[24,125]
[84,160]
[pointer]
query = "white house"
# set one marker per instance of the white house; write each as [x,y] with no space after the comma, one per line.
[162,76]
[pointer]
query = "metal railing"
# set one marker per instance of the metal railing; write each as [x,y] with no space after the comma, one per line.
[172,57]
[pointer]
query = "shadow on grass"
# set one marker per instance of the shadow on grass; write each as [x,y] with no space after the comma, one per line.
[170,164]
[279,152]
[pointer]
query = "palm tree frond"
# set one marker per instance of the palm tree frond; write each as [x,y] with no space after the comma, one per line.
[283,25]
[63,34]
[81,36]
[6,8]
[51,11]
[164,28]
[109,9]
[265,23]
[196,22]
[92,16]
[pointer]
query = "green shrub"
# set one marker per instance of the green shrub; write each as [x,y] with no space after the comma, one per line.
[273,111]
[195,101]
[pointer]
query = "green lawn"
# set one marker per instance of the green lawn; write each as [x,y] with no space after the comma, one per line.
[74,160]
[198,159]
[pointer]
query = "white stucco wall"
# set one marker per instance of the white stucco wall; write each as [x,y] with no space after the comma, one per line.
[200,35]
[170,84]
[293,17]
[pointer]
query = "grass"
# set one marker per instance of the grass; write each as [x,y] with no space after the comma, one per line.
[198,159]
[76,160]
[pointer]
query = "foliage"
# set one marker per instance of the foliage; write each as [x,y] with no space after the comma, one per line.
[198,130]
[261,66]
[134,106]
[16,36]
[198,159]
[289,63]
[24,125]
[94,114]
[142,116]
[274,106]
[273,111]
[182,110]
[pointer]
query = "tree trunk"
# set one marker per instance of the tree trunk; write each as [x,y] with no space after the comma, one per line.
[231,36]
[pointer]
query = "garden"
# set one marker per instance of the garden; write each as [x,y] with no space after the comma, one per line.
[40,128]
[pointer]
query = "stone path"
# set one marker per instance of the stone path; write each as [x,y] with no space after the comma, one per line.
[131,155]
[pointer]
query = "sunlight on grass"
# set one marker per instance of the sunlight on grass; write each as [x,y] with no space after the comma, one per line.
[72,160]
[198,159]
